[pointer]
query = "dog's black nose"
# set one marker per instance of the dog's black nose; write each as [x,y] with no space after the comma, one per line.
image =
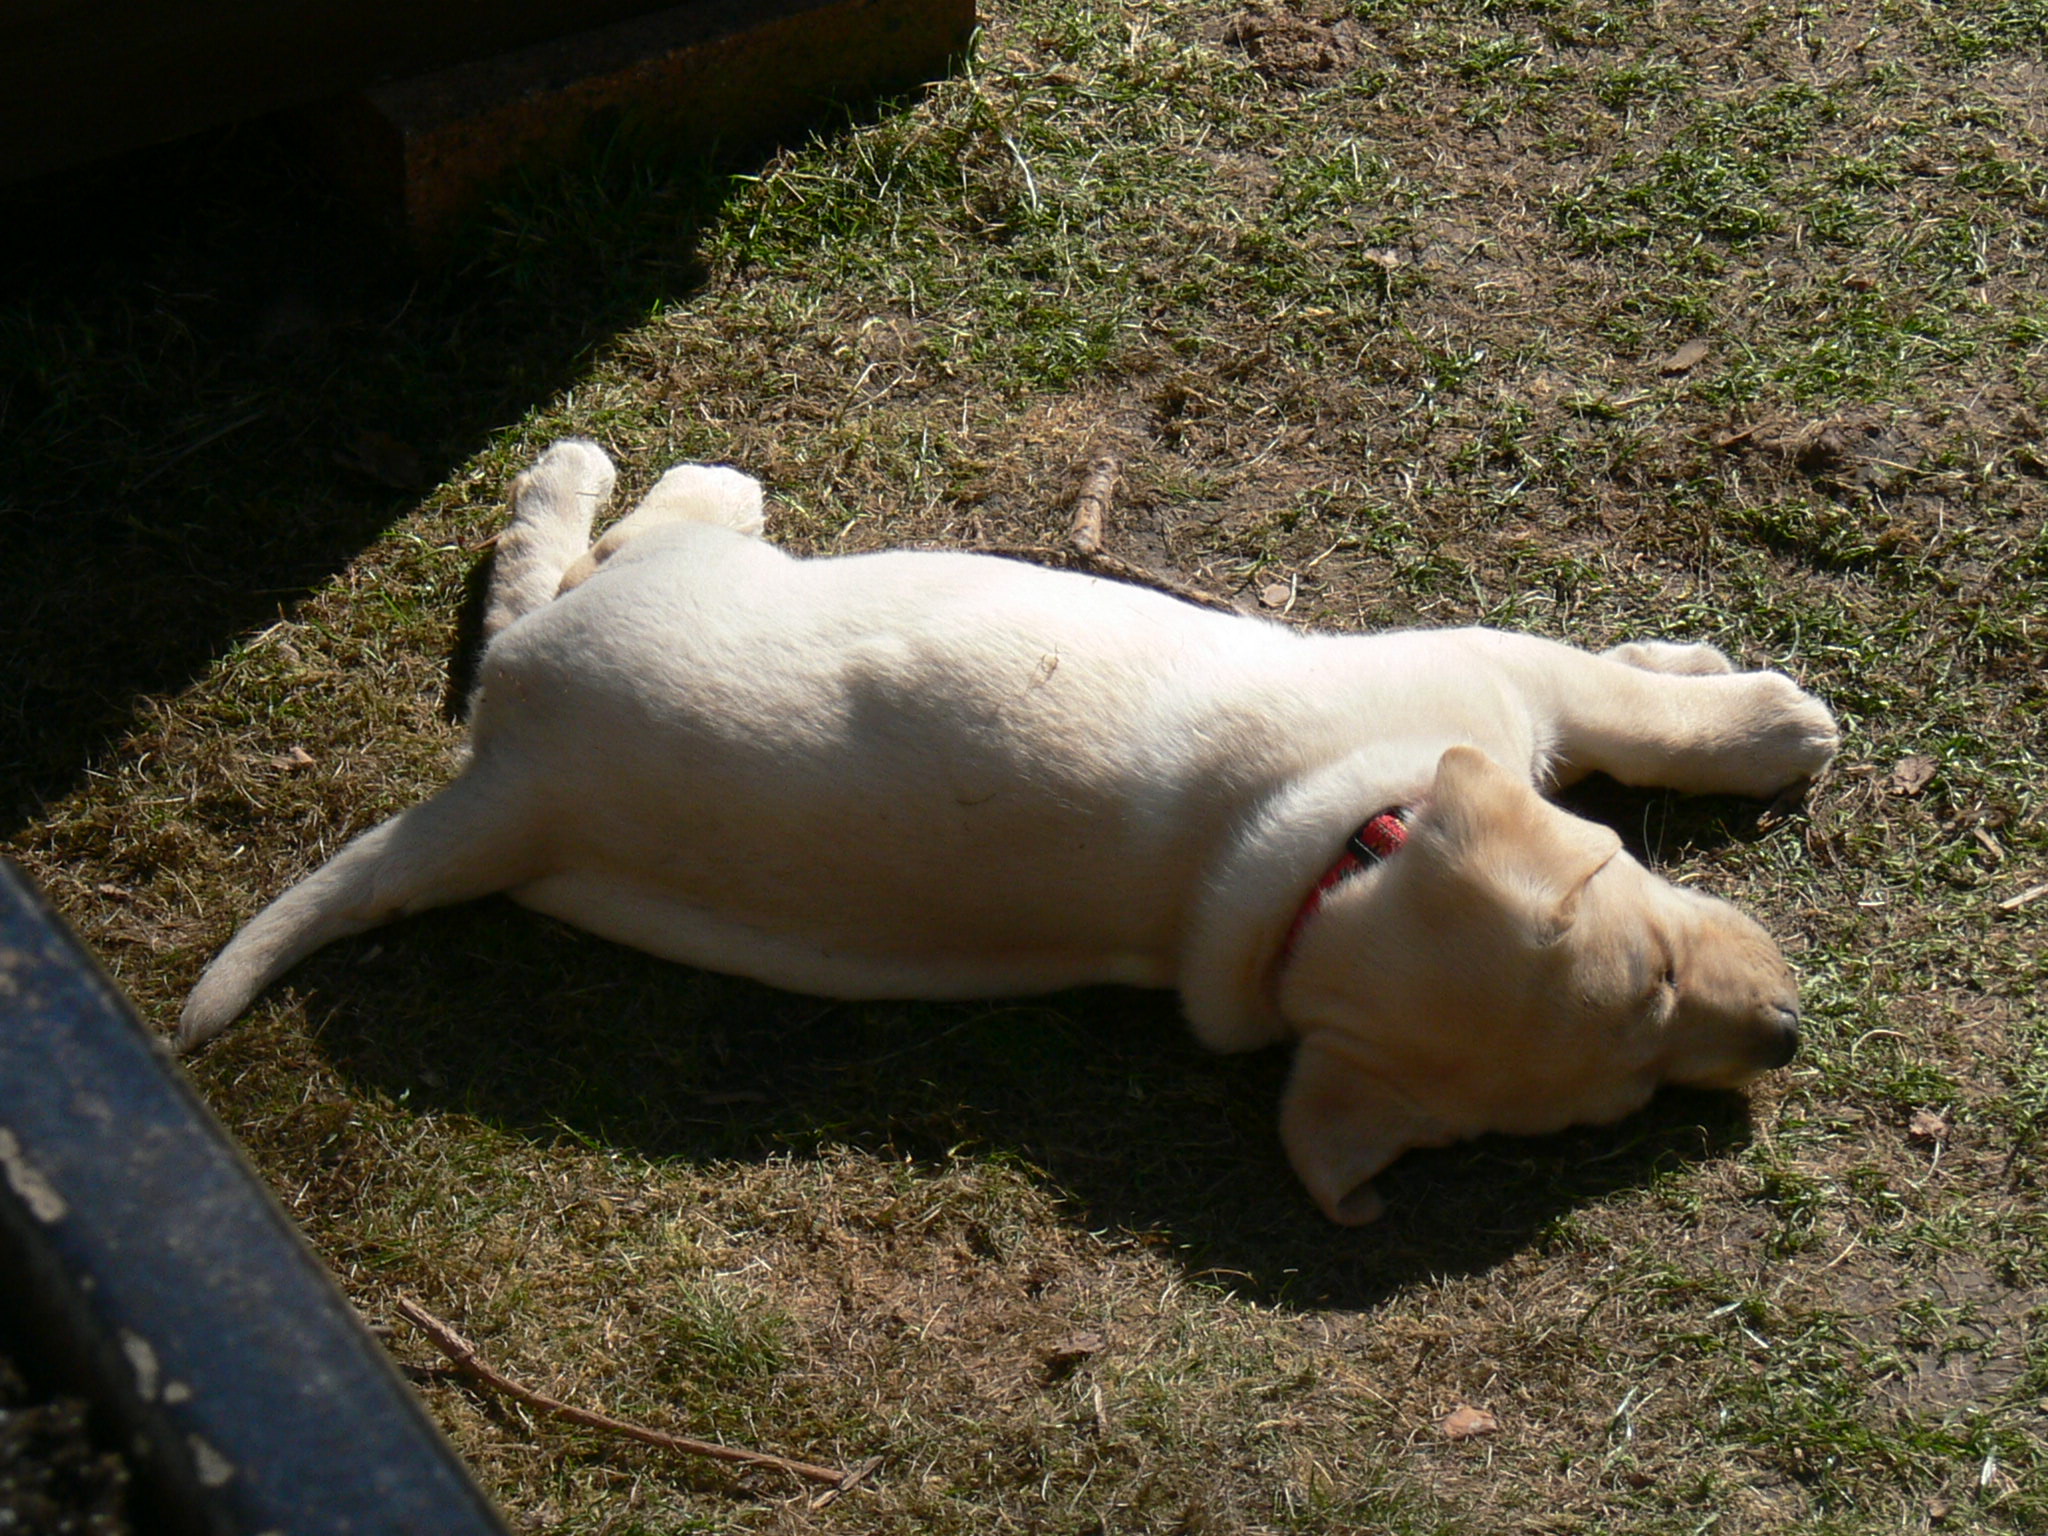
[1786,1044]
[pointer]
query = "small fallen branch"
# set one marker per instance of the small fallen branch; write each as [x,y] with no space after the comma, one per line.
[1091,506]
[463,1356]
[1083,550]
[2025,898]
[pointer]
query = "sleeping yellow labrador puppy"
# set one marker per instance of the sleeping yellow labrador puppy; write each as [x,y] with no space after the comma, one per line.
[944,775]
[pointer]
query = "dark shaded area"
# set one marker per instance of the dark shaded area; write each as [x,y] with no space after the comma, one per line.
[56,1479]
[1661,825]
[217,384]
[1102,1090]
[152,73]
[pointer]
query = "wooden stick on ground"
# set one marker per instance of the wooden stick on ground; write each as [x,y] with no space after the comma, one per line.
[1091,507]
[1083,550]
[462,1354]
[2014,903]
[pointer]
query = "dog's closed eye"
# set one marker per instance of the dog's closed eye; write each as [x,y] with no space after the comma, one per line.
[1660,994]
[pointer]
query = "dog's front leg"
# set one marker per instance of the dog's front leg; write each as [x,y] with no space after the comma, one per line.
[1677,716]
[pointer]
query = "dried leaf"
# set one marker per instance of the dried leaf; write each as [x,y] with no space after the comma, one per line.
[1463,1423]
[1687,357]
[1926,1125]
[293,761]
[1910,775]
[1067,1356]
[1076,1345]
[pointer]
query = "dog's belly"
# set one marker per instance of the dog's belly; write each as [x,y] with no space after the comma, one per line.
[913,774]
[662,925]
[927,776]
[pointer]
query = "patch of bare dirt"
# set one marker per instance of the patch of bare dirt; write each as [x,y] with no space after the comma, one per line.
[1853,448]
[1282,44]
[1969,1328]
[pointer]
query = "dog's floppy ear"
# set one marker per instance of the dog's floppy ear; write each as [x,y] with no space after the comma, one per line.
[1492,827]
[1342,1123]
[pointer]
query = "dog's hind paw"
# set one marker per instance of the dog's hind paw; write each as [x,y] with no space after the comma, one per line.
[705,493]
[564,489]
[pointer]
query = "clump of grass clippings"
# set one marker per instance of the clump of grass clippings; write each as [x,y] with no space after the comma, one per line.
[1716,319]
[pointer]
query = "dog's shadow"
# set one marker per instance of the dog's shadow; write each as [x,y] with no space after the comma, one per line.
[535,1028]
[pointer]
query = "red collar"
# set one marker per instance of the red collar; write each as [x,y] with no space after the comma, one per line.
[1374,843]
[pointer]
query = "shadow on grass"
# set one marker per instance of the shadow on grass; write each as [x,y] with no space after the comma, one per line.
[499,1014]
[218,384]
[1658,825]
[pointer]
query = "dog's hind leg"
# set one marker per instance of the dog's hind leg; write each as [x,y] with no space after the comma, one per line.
[1675,658]
[688,493]
[552,507]
[468,841]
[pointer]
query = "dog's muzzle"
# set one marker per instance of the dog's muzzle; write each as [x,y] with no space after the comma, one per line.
[1783,1043]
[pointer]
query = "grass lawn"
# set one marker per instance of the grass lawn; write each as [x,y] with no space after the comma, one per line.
[1710,319]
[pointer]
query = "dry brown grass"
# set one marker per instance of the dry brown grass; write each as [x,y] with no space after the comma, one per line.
[1384,303]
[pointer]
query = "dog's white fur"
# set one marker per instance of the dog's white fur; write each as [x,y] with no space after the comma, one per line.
[946,776]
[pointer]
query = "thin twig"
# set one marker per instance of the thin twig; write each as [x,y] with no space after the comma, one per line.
[462,1354]
[846,1484]
[1091,506]
[1102,565]
[2014,903]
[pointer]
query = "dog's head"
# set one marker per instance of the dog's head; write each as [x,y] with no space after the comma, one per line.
[1511,969]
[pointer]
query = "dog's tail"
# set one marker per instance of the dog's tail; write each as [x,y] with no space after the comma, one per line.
[552,507]
[468,841]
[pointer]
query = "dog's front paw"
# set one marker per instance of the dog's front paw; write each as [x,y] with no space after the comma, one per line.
[1791,734]
[1669,656]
